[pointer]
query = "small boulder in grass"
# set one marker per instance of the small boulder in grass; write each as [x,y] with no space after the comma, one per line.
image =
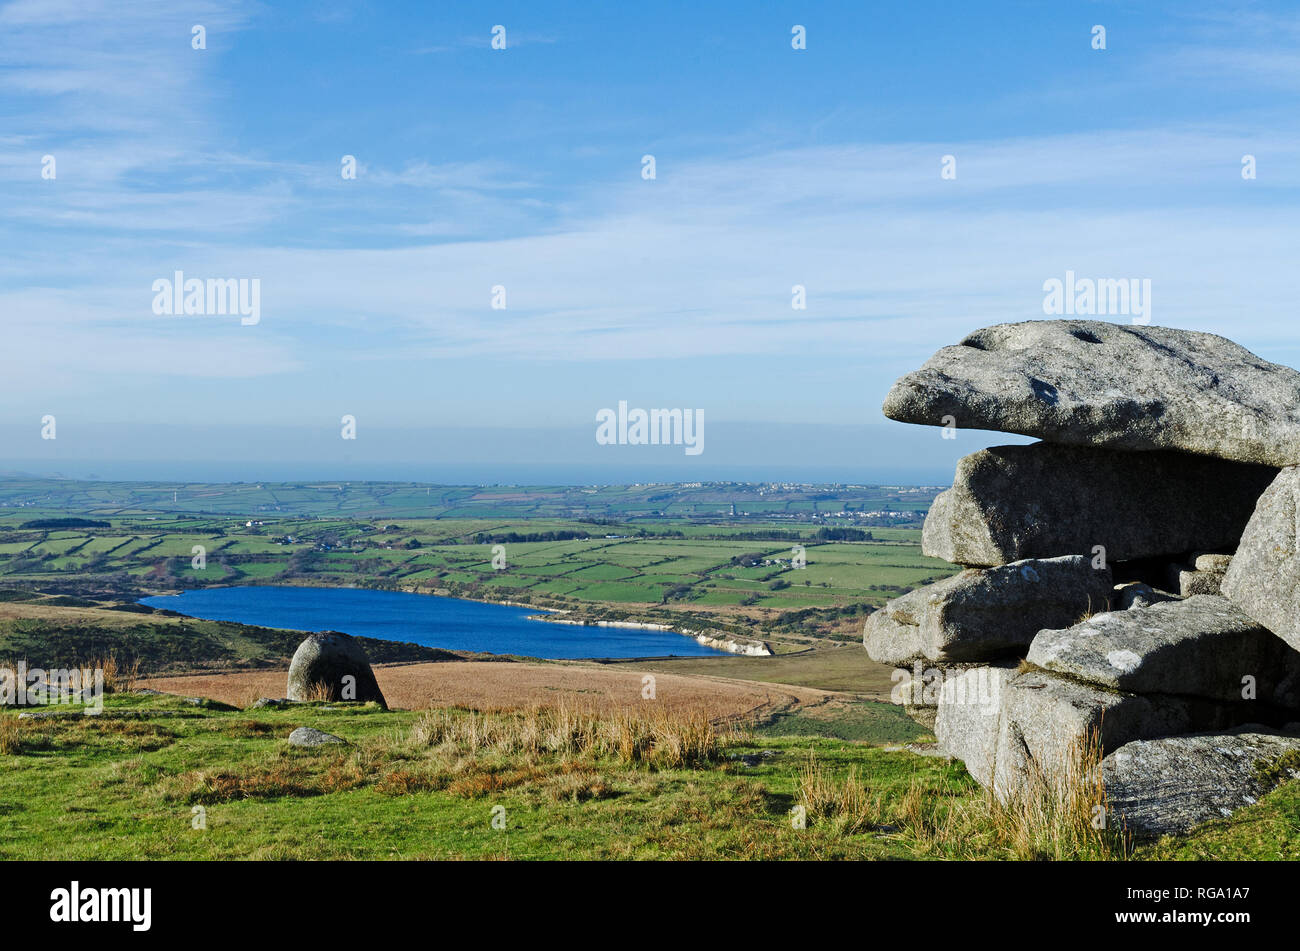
[273,703]
[207,703]
[310,737]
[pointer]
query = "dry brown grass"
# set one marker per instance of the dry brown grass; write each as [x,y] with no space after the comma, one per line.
[1064,813]
[560,752]
[119,676]
[10,740]
[578,786]
[402,782]
[318,693]
[1061,815]
[275,778]
[245,728]
[1091,611]
[659,736]
[486,685]
[248,696]
[849,804]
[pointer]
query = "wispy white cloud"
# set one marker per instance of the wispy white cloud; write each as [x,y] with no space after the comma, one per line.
[399,264]
[703,264]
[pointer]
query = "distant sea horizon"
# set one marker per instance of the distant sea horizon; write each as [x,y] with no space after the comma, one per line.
[470,474]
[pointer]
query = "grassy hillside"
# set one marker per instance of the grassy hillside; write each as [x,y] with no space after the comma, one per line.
[48,632]
[745,580]
[136,781]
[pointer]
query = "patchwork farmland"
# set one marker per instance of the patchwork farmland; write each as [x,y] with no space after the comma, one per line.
[796,576]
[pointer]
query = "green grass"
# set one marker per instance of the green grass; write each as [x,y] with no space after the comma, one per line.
[58,635]
[1269,829]
[131,783]
[844,669]
[88,788]
[870,722]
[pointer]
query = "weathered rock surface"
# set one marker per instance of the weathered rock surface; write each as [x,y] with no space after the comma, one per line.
[309,736]
[335,663]
[925,715]
[1200,647]
[1212,561]
[1168,786]
[916,689]
[207,703]
[1016,728]
[968,719]
[917,686]
[1137,594]
[981,614]
[1264,577]
[275,703]
[1095,383]
[1187,580]
[1199,582]
[1043,717]
[1039,501]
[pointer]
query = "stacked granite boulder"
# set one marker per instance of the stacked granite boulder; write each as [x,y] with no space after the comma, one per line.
[1101,595]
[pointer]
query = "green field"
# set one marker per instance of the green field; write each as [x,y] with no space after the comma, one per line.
[739,573]
[765,501]
[156,778]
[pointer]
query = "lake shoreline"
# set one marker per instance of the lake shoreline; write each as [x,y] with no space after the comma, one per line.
[716,640]
[461,625]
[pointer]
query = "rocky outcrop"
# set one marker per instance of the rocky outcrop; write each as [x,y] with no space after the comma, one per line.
[1160,459]
[1094,383]
[983,614]
[1200,647]
[1041,500]
[1264,576]
[1016,728]
[1168,786]
[1137,594]
[1046,720]
[332,666]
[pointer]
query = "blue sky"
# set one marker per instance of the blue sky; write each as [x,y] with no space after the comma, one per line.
[522,167]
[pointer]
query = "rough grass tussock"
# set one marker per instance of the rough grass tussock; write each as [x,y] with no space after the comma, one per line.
[659,738]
